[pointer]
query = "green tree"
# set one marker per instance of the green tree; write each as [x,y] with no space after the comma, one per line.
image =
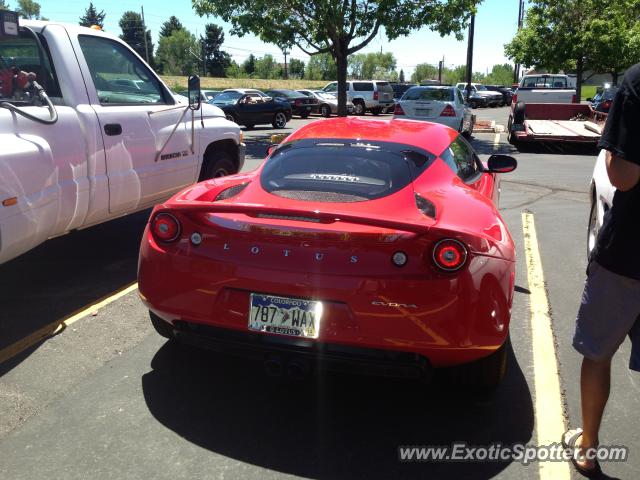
[4,5]
[454,75]
[578,35]
[321,67]
[374,64]
[424,71]
[249,65]
[500,75]
[337,27]
[170,26]
[267,67]
[296,68]
[29,9]
[217,60]
[133,34]
[177,53]
[92,17]
[235,71]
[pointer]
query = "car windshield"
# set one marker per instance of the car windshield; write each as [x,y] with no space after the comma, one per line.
[285,93]
[227,97]
[341,170]
[426,93]
[481,88]
[544,81]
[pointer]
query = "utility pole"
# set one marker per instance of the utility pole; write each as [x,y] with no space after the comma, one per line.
[472,26]
[516,67]
[285,52]
[204,58]
[144,34]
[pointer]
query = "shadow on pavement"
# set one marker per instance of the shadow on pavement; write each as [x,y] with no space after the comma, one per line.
[64,275]
[330,426]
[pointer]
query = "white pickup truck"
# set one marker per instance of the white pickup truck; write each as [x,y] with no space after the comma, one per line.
[545,88]
[108,139]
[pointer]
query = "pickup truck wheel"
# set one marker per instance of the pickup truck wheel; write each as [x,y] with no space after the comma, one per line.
[376,111]
[473,104]
[325,110]
[279,120]
[218,164]
[359,107]
[163,328]
[519,113]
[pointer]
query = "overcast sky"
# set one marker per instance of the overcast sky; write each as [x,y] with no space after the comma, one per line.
[496,23]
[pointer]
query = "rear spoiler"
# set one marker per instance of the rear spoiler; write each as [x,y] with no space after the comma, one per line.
[256,210]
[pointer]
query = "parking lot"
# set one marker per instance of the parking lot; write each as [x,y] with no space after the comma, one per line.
[102,396]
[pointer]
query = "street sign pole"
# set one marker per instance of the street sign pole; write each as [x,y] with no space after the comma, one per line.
[470,55]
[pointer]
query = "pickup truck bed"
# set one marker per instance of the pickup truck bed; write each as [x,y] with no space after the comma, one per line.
[556,122]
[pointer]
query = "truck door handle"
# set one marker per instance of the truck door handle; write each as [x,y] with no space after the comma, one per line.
[112,129]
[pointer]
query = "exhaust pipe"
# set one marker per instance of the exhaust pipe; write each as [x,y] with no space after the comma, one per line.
[273,366]
[298,369]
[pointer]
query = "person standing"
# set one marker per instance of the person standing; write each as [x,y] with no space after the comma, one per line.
[610,307]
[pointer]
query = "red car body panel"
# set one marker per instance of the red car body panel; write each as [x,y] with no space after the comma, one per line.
[253,242]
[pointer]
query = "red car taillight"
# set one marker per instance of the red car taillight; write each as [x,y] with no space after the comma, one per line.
[375,95]
[514,99]
[398,110]
[165,227]
[449,255]
[448,111]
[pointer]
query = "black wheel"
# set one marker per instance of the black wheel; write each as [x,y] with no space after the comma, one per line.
[163,328]
[325,110]
[593,229]
[473,104]
[231,117]
[304,115]
[376,111]
[217,164]
[519,113]
[487,372]
[509,123]
[279,120]
[359,107]
[249,126]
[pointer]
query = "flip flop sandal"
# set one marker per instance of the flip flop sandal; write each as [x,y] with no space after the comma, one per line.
[569,439]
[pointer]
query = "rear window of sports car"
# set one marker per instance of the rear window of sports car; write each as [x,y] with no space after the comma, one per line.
[342,170]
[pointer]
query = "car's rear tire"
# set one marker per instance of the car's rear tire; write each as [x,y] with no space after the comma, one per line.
[304,115]
[325,110]
[487,372]
[279,120]
[217,164]
[359,107]
[163,328]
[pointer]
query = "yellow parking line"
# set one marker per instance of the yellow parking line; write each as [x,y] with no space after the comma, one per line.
[549,414]
[59,325]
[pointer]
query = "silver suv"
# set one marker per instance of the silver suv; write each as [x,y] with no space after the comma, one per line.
[373,95]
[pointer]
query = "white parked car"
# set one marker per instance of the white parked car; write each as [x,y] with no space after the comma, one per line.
[328,103]
[439,104]
[601,194]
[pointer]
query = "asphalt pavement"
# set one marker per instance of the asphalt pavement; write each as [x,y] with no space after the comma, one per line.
[106,397]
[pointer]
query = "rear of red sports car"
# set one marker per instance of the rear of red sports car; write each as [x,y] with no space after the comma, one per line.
[343,251]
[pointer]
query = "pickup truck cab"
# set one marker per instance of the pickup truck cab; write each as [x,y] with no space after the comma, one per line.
[121,141]
[545,88]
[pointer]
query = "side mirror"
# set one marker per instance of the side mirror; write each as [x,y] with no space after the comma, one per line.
[193,92]
[501,164]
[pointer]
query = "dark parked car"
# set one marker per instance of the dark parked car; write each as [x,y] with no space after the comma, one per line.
[400,88]
[252,107]
[301,105]
[601,102]
[507,93]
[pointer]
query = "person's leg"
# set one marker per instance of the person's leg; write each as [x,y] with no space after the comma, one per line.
[595,384]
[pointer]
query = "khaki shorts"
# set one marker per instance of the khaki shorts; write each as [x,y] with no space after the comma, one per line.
[610,310]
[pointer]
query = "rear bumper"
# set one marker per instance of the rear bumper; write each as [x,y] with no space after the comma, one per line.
[318,356]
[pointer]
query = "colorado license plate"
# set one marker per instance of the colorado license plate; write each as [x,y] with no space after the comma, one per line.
[284,316]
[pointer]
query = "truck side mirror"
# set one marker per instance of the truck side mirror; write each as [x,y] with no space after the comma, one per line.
[193,92]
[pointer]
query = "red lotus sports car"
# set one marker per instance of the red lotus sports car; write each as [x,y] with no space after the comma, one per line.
[366,246]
